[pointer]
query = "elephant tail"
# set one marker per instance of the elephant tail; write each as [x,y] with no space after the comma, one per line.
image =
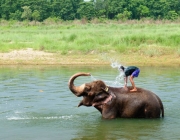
[161,106]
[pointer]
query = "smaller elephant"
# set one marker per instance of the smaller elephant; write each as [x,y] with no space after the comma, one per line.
[114,102]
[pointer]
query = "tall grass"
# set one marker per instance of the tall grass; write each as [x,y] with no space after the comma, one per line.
[144,38]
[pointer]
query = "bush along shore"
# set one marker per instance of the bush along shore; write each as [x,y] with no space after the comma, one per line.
[143,42]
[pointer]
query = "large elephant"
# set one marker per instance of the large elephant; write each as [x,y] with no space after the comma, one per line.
[115,102]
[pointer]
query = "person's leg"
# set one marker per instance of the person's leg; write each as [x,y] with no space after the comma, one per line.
[134,74]
[133,84]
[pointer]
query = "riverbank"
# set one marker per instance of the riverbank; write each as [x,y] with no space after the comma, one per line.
[34,57]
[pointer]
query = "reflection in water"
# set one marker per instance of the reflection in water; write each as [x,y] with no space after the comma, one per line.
[35,103]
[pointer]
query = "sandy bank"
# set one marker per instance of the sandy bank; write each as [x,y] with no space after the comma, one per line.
[34,57]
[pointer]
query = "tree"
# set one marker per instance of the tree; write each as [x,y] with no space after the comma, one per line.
[86,10]
[67,11]
[44,7]
[16,15]
[27,14]
[6,9]
[143,11]
[125,15]
[172,15]
[78,9]
[100,8]
[114,7]
[159,8]
[36,15]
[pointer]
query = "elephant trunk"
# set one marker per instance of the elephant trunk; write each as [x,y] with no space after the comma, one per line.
[77,90]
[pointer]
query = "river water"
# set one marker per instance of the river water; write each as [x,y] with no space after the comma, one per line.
[36,104]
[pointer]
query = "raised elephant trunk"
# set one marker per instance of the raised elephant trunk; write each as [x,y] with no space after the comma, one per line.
[77,90]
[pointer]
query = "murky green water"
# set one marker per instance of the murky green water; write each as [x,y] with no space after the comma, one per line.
[35,103]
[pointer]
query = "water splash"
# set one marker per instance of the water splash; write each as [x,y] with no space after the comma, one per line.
[118,82]
[119,79]
[93,78]
[15,118]
[115,64]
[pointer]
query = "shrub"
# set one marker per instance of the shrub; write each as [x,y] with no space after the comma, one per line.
[172,15]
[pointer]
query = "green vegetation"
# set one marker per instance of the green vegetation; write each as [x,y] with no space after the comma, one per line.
[149,27]
[40,10]
[150,38]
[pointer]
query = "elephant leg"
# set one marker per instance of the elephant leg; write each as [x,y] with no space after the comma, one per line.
[152,112]
[129,113]
[109,112]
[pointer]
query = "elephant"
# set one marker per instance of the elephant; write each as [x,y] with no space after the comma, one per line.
[117,102]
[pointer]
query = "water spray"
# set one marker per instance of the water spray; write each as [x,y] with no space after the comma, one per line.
[93,78]
[119,80]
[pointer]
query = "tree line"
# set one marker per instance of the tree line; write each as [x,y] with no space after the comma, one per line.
[40,10]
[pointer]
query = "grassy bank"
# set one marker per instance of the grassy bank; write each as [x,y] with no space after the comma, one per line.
[134,39]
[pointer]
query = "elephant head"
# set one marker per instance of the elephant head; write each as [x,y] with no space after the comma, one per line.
[92,92]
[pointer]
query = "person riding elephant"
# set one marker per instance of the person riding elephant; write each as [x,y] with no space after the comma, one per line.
[131,71]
